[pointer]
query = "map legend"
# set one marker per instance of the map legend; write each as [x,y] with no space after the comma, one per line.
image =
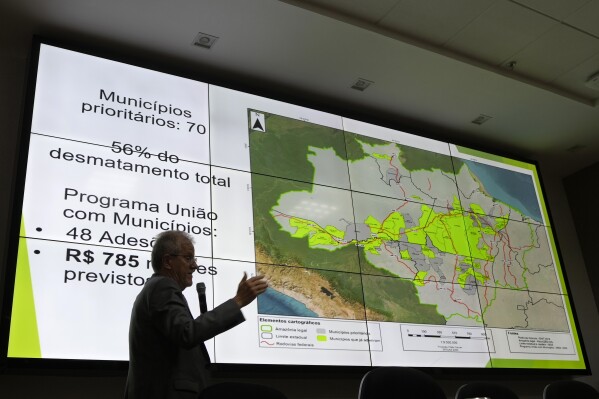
[286,332]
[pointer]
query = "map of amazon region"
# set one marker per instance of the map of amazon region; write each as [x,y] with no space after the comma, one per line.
[347,226]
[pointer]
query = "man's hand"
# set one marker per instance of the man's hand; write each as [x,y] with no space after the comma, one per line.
[249,289]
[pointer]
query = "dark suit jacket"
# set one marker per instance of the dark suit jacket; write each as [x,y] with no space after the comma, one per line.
[167,356]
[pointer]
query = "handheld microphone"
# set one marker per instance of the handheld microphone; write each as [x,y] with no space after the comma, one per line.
[201,288]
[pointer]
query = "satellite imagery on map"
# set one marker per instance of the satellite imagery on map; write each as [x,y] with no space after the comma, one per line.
[353,227]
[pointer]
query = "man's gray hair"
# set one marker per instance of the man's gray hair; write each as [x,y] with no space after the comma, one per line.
[168,242]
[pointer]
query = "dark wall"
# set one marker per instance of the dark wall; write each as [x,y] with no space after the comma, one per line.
[582,189]
[12,81]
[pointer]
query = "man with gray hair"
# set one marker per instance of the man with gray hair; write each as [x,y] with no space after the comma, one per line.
[167,356]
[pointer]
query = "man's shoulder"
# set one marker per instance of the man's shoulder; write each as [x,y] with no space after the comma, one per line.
[157,281]
[158,290]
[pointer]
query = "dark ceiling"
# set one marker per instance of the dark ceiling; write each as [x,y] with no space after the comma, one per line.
[436,65]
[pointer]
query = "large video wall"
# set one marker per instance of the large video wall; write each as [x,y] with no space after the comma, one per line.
[380,247]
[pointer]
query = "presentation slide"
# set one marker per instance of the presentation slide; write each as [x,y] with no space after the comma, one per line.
[380,247]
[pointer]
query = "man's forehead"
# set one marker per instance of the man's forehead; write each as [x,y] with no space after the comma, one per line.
[187,245]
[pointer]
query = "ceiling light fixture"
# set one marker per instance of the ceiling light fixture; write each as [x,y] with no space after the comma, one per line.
[361,84]
[204,40]
[593,81]
[511,65]
[482,118]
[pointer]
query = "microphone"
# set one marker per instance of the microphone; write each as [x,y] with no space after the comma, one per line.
[201,288]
